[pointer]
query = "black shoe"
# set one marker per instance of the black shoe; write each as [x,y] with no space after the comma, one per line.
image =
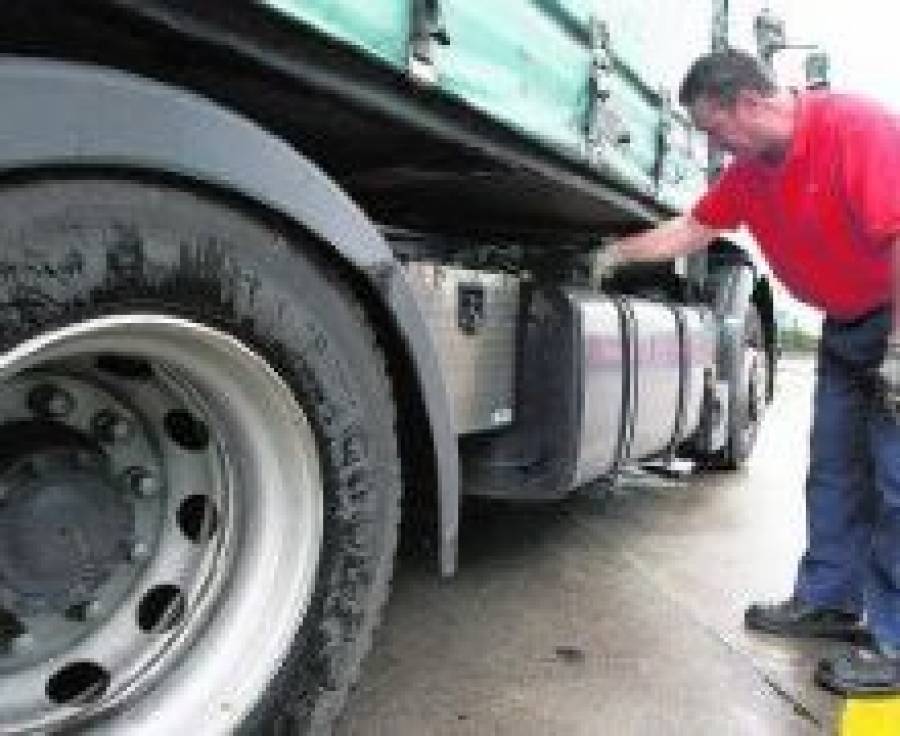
[797,619]
[860,672]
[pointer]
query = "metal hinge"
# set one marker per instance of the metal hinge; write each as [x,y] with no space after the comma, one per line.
[663,135]
[770,35]
[605,125]
[426,29]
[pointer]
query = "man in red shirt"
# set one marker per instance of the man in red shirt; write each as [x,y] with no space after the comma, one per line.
[816,179]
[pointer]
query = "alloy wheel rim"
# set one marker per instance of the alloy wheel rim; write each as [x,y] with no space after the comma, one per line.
[193,456]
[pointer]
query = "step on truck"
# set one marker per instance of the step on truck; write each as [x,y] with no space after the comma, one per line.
[277,274]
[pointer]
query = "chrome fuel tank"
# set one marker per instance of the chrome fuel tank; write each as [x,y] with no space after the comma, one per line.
[600,381]
[640,375]
[602,384]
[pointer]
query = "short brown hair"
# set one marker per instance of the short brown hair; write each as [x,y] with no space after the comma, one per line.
[721,75]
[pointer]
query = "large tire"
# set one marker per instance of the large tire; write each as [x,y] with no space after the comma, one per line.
[749,394]
[230,361]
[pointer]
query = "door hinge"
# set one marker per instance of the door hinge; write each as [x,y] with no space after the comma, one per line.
[427,29]
[663,136]
[605,125]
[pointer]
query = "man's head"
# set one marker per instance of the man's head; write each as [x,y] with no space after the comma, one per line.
[732,98]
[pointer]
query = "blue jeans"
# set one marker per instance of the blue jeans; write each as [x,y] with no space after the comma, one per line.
[852,560]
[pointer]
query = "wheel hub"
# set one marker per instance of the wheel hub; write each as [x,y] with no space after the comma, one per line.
[64,528]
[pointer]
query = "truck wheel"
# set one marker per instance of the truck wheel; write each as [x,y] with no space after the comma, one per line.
[199,475]
[750,389]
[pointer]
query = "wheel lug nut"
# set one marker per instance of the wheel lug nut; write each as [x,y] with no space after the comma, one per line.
[23,642]
[110,427]
[87,611]
[92,610]
[142,482]
[50,401]
[139,552]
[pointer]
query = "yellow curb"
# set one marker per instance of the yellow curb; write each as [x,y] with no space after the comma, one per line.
[871,717]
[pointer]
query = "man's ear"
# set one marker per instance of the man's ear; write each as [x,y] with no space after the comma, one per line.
[704,109]
[747,100]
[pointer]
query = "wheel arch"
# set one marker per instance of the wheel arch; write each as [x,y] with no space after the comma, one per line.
[735,290]
[742,287]
[72,115]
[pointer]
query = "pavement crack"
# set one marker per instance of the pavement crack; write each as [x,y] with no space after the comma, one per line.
[801,710]
[665,589]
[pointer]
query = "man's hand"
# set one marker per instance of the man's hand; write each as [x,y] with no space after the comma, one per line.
[889,378]
[673,238]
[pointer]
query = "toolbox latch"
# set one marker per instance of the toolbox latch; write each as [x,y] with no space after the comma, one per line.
[470,307]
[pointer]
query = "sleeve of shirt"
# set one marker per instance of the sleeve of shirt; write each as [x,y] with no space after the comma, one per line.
[871,169]
[720,208]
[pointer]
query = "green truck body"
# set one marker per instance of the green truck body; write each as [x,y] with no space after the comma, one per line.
[534,65]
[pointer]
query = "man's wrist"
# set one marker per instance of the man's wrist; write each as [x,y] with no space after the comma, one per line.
[606,260]
[614,254]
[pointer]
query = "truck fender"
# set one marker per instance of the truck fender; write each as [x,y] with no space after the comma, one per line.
[736,284]
[735,288]
[732,298]
[61,114]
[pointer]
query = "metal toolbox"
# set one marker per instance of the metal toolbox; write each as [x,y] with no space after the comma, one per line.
[473,318]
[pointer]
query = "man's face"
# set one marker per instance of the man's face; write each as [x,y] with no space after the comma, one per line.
[735,128]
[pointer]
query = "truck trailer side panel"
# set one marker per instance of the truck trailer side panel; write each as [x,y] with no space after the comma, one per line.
[570,74]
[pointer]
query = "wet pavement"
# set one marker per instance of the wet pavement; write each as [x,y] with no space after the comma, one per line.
[618,616]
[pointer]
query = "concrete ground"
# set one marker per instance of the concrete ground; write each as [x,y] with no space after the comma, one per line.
[620,616]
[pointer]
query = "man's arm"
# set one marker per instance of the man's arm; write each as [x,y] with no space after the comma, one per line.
[673,238]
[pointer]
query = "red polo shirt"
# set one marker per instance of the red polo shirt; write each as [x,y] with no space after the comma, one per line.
[825,215]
